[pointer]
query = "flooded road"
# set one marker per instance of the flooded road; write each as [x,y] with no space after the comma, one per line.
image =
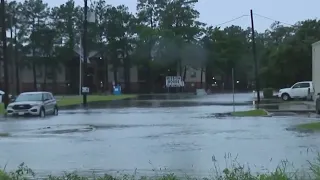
[153,137]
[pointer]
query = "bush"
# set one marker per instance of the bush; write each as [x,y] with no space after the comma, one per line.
[232,171]
[268,93]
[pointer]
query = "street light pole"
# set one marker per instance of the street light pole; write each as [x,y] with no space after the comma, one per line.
[255,60]
[5,57]
[84,44]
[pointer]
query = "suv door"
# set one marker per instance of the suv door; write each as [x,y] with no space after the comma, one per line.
[47,103]
[303,90]
[53,101]
[295,90]
[300,90]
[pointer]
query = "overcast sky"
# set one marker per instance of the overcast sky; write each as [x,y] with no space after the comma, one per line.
[215,12]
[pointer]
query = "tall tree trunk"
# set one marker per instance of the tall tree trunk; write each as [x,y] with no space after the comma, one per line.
[184,75]
[115,71]
[115,76]
[106,74]
[180,71]
[34,71]
[17,64]
[44,88]
[12,56]
[201,78]
[54,79]
[150,77]
[126,73]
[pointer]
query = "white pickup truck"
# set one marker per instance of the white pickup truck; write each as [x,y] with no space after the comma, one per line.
[298,90]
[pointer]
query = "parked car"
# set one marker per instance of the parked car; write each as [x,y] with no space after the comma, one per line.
[298,90]
[33,103]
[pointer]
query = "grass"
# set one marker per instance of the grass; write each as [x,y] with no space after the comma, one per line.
[250,113]
[2,110]
[314,126]
[75,100]
[233,171]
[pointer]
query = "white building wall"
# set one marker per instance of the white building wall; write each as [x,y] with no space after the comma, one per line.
[194,75]
[316,67]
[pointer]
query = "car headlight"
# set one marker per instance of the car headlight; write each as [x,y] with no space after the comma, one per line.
[34,105]
[9,106]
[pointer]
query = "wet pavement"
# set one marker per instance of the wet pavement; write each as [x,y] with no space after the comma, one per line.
[298,107]
[147,137]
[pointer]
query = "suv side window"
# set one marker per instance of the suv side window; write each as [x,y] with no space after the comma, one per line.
[51,95]
[298,85]
[301,85]
[46,96]
[305,85]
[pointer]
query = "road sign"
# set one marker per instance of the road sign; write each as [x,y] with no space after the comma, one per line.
[85,90]
[174,81]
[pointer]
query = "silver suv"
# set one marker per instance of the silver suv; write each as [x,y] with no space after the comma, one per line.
[33,103]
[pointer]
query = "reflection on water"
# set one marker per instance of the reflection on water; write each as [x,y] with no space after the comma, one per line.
[173,100]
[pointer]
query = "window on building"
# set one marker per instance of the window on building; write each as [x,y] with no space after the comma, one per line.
[193,74]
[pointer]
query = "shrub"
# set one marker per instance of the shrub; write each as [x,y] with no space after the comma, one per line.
[268,93]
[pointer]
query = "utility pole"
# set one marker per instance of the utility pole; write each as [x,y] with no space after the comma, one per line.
[17,63]
[11,51]
[84,43]
[255,60]
[14,55]
[5,57]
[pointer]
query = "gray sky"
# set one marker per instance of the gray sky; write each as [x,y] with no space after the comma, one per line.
[215,12]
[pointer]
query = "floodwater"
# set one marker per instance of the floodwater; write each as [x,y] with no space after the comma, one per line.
[154,138]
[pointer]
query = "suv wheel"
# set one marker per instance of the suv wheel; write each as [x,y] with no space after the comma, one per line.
[42,113]
[55,111]
[285,97]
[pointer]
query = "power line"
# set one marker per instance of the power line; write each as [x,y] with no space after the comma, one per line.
[258,15]
[265,17]
[234,19]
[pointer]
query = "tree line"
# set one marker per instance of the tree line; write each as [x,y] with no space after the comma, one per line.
[162,34]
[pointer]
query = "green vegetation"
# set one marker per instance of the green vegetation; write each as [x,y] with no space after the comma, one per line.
[74,100]
[233,172]
[314,126]
[250,113]
[268,93]
[2,110]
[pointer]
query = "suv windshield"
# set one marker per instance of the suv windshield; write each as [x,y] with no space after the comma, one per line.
[29,97]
